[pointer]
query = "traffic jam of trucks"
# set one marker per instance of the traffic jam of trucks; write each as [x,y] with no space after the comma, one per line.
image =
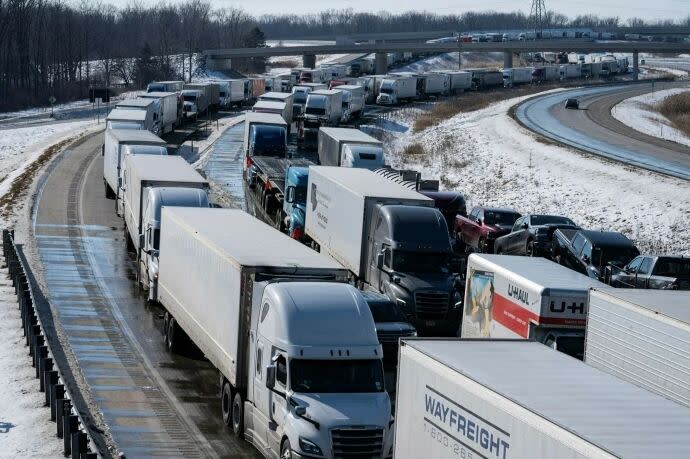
[358,310]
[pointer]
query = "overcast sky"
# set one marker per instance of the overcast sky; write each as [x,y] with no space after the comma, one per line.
[648,9]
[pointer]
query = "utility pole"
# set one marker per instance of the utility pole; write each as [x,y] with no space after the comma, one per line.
[536,17]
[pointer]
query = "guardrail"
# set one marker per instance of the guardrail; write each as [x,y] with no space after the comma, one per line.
[69,424]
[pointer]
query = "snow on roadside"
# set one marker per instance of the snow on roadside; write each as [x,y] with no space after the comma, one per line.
[639,113]
[25,427]
[491,159]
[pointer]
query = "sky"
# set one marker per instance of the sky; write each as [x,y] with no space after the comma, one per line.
[650,10]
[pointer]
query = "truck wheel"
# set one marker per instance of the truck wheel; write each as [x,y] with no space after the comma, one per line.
[173,336]
[286,450]
[226,403]
[238,415]
[530,249]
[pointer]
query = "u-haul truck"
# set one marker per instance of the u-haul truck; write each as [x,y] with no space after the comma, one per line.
[528,298]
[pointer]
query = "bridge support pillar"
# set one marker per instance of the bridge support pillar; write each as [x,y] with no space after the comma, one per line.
[309,61]
[213,63]
[381,63]
[636,65]
[507,59]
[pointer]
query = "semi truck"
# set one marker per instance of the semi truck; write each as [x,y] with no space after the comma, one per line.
[353,101]
[372,87]
[171,109]
[151,107]
[459,81]
[211,92]
[300,93]
[279,108]
[165,86]
[120,143]
[231,93]
[433,84]
[300,376]
[545,73]
[121,118]
[396,90]
[486,79]
[265,134]
[285,97]
[195,103]
[390,238]
[312,76]
[570,71]
[642,336]
[148,184]
[324,107]
[349,148]
[529,298]
[513,76]
[503,399]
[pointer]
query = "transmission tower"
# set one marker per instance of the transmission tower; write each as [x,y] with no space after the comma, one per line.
[537,15]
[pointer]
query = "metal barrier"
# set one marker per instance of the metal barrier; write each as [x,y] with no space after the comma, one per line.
[69,425]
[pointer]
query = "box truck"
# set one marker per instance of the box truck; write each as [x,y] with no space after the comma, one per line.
[353,101]
[520,75]
[151,107]
[570,71]
[114,152]
[165,86]
[395,90]
[642,336]
[148,184]
[170,114]
[459,81]
[485,79]
[349,148]
[285,97]
[391,238]
[300,376]
[546,73]
[230,93]
[372,87]
[195,103]
[312,76]
[211,92]
[278,108]
[324,107]
[120,118]
[433,84]
[265,134]
[523,297]
[518,399]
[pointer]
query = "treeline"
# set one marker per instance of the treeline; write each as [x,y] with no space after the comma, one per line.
[48,48]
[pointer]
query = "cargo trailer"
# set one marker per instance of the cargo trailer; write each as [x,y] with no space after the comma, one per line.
[170,110]
[165,86]
[278,108]
[230,93]
[211,92]
[345,147]
[121,118]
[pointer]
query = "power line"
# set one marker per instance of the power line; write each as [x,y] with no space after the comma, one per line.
[536,17]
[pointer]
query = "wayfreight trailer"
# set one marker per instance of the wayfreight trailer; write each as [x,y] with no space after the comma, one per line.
[524,297]
[642,336]
[300,376]
[521,400]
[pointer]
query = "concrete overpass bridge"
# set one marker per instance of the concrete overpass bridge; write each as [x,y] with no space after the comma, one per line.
[221,58]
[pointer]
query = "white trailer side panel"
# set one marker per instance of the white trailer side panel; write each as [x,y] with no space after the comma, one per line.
[642,336]
[522,400]
[114,139]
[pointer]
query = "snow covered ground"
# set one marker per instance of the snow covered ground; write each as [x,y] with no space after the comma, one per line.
[449,61]
[639,113]
[492,160]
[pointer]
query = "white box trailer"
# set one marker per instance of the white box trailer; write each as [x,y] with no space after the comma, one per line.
[165,86]
[230,92]
[433,84]
[519,75]
[349,148]
[121,118]
[169,112]
[113,154]
[642,336]
[353,101]
[279,108]
[460,81]
[396,89]
[523,297]
[210,90]
[340,203]
[570,71]
[521,400]
[324,107]
[285,97]
[142,171]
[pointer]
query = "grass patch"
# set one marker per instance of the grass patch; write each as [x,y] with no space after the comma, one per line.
[414,149]
[677,109]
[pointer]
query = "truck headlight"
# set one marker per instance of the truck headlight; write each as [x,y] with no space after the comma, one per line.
[309,447]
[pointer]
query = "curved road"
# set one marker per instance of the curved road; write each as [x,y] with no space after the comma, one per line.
[594,130]
[154,403]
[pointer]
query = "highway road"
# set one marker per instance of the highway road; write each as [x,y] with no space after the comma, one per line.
[155,403]
[594,130]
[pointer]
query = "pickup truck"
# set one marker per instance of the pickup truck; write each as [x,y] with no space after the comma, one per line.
[590,252]
[480,229]
[655,272]
[532,235]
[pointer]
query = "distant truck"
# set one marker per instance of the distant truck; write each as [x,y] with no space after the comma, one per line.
[349,148]
[517,76]
[546,73]
[195,103]
[285,97]
[265,134]
[125,118]
[165,86]
[532,235]
[642,337]
[359,67]
[151,107]
[171,110]
[665,272]
[526,298]
[396,90]
[255,88]
[149,183]
[433,84]
[391,238]
[211,92]
[324,107]
[372,87]
[287,359]
[482,227]
[313,76]
[353,102]
[459,81]
[570,71]
[486,79]
[506,399]
[590,252]
[117,145]
[230,93]
[278,108]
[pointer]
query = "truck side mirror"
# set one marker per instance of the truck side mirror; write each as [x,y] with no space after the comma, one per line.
[290,197]
[271,376]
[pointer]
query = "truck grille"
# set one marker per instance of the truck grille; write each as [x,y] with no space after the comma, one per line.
[431,305]
[354,442]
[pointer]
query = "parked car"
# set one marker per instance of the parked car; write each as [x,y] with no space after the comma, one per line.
[391,324]
[657,272]
[532,235]
[572,103]
[589,252]
[480,229]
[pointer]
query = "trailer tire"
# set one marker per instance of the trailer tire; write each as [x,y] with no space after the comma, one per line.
[226,398]
[173,336]
[529,250]
[238,415]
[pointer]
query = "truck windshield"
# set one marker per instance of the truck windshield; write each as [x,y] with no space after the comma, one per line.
[673,267]
[268,140]
[155,88]
[420,262]
[615,255]
[550,220]
[386,312]
[386,90]
[299,96]
[336,376]
[492,217]
[315,110]
[190,98]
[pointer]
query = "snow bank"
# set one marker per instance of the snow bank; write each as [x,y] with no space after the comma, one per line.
[639,113]
[492,160]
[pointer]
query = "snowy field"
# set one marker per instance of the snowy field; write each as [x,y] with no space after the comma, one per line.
[492,160]
[639,113]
